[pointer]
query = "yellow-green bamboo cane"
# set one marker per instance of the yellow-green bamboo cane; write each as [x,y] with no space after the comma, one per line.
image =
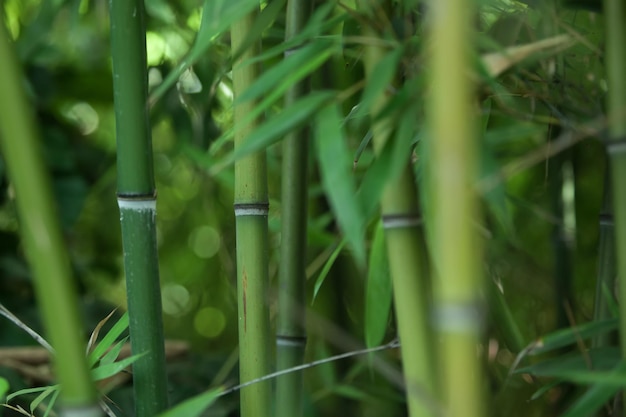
[456,246]
[407,256]
[251,210]
[615,16]
[41,233]
[137,202]
[291,337]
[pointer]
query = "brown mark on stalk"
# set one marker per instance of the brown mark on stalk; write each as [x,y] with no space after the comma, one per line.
[244,285]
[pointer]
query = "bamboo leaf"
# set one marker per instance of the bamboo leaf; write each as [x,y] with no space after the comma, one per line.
[51,403]
[378,292]
[195,406]
[35,403]
[335,165]
[27,391]
[595,397]
[570,336]
[380,80]
[112,354]
[108,340]
[289,71]
[327,266]
[275,128]
[105,371]
[575,367]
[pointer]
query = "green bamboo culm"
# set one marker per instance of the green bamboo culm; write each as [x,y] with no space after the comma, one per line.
[137,202]
[291,336]
[251,210]
[406,249]
[615,15]
[456,246]
[41,234]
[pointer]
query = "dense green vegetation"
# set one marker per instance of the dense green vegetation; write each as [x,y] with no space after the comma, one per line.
[436,174]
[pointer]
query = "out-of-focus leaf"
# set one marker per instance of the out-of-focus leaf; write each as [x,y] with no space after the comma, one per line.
[596,396]
[572,335]
[335,164]
[49,390]
[4,387]
[351,392]
[378,292]
[326,269]
[276,127]
[380,79]
[290,70]
[576,367]
[498,62]
[195,406]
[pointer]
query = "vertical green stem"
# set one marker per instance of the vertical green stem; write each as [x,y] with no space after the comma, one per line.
[251,210]
[615,15]
[457,254]
[407,257]
[41,234]
[291,337]
[137,202]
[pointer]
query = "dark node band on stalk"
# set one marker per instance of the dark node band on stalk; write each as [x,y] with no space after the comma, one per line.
[459,317]
[396,221]
[606,219]
[296,341]
[137,196]
[616,146]
[251,209]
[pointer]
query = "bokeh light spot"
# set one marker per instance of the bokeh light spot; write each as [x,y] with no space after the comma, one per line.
[209,322]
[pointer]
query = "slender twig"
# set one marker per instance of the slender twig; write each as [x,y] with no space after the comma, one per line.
[391,345]
[19,323]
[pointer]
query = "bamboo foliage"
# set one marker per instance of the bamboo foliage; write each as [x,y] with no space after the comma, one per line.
[41,233]
[251,211]
[137,203]
[291,338]
[457,256]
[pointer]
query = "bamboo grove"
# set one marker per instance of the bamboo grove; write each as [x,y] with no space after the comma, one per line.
[394,173]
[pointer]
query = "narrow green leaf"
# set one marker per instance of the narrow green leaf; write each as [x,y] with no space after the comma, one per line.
[351,392]
[112,354]
[595,397]
[108,340]
[380,80]
[27,391]
[195,406]
[335,164]
[378,292]
[289,71]
[276,127]
[575,367]
[53,401]
[326,269]
[217,17]
[572,335]
[105,371]
[35,403]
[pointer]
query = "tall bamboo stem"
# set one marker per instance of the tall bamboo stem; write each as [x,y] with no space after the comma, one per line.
[456,245]
[137,202]
[615,15]
[41,233]
[407,256]
[251,210]
[291,337]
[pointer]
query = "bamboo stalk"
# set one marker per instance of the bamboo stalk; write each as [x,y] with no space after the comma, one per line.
[456,246]
[137,203]
[41,234]
[407,255]
[251,210]
[615,13]
[291,336]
